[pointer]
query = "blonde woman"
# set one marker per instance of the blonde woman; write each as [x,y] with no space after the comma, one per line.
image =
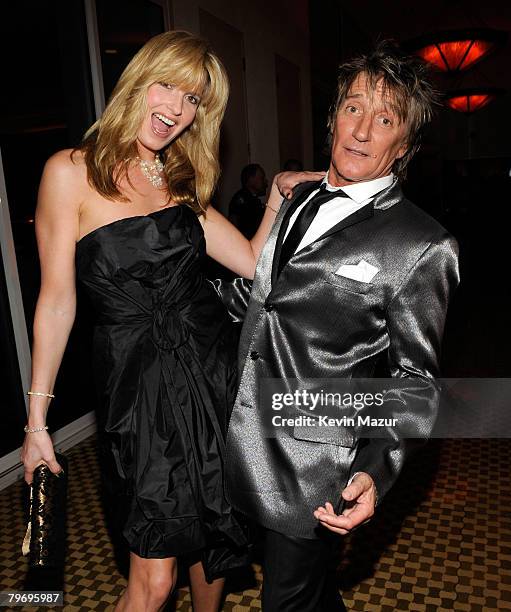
[127,214]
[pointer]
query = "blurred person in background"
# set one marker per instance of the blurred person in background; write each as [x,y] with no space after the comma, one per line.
[246,208]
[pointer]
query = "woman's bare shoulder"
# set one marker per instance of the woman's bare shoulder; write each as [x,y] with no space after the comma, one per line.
[65,172]
[64,183]
[67,164]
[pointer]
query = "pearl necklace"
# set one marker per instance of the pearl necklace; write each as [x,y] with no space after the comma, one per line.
[153,171]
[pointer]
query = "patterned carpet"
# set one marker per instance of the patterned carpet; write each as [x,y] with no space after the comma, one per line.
[440,542]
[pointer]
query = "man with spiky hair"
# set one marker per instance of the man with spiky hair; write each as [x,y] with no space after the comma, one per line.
[352,272]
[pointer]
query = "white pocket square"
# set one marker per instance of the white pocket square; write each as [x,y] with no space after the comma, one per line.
[363,271]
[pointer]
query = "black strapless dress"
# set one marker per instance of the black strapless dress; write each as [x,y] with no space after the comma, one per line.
[165,366]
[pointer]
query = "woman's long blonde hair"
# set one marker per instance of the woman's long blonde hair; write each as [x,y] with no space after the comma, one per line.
[191,160]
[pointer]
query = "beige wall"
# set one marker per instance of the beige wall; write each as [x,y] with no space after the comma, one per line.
[267,30]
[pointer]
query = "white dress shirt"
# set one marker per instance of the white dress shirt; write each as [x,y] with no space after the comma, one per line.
[335,210]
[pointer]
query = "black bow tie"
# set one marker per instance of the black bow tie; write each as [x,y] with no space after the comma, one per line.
[303,222]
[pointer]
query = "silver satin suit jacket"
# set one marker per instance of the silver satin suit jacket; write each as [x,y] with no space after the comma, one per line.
[310,322]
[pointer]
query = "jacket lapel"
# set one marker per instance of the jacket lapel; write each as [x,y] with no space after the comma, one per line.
[294,203]
[263,275]
[359,215]
[381,201]
[388,197]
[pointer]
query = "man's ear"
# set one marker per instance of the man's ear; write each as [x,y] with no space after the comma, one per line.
[402,150]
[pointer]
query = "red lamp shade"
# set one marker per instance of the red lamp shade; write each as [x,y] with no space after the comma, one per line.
[468,101]
[454,51]
[456,55]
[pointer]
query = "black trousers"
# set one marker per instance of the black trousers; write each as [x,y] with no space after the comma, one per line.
[297,575]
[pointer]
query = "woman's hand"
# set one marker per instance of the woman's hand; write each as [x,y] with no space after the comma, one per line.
[287,181]
[37,449]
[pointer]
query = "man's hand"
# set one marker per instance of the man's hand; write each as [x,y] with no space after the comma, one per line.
[360,496]
[287,181]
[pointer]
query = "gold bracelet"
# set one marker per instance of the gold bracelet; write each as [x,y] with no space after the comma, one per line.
[268,206]
[28,429]
[50,395]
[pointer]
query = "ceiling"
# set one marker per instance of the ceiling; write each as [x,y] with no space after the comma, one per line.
[406,19]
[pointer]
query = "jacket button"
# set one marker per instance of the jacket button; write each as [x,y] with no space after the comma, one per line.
[269,307]
[254,355]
